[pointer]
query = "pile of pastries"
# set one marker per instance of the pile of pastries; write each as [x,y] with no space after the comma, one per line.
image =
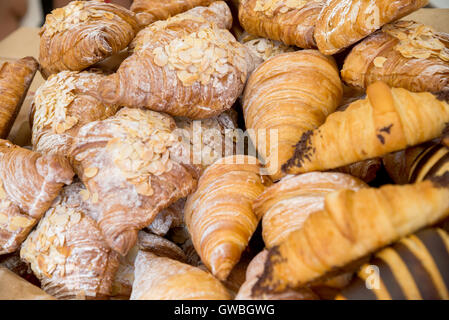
[109,202]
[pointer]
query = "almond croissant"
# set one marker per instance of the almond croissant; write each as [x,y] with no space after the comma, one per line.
[29,182]
[387,120]
[219,214]
[282,94]
[68,252]
[404,54]
[185,66]
[15,79]
[152,10]
[83,33]
[161,278]
[63,104]
[292,22]
[344,22]
[415,268]
[126,164]
[353,224]
[286,205]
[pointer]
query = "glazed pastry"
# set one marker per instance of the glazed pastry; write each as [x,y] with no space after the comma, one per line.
[185,66]
[286,205]
[344,22]
[15,79]
[352,225]
[125,162]
[261,49]
[415,268]
[67,251]
[13,287]
[219,214]
[418,163]
[160,278]
[171,217]
[83,33]
[255,270]
[404,54]
[62,105]
[387,120]
[150,11]
[292,22]
[365,170]
[282,94]
[29,184]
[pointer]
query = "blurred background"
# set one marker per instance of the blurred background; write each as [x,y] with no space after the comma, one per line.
[31,13]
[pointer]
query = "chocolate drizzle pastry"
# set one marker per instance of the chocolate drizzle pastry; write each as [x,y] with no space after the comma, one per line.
[303,150]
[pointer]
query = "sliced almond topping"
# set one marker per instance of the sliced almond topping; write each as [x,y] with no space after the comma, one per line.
[84,194]
[379,61]
[90,172]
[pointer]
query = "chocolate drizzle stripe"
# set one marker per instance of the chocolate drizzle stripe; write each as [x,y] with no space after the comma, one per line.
[437,166]
[421,161]
[357,290]
[389,280]
[438,250]
[421,276]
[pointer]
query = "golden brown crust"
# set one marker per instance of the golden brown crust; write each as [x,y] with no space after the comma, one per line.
[344,22]
[290,21]
[219,214]
[15,79]
[404,54]
[160,278]
[125,162]
[286,205]
[83,33]
[185,66]
[67,251]
[354,223]
[282,94]
[389,119]
[62,105]
[155,10]
[29,184]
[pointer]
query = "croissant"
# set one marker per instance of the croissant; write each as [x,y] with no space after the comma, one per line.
[404,54]
[292,22]
[219,215]
[387,120]
[286,205]
[13,287]
[124,277]
[353,224]
[415,268]
[83,33]
[282,101]
[254,270]
[62,105]
[29,184]
[161,278]
[15,79]
[68,252]
[344,22]
[125,162]
[150,11]
[185,66]
[418,163]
